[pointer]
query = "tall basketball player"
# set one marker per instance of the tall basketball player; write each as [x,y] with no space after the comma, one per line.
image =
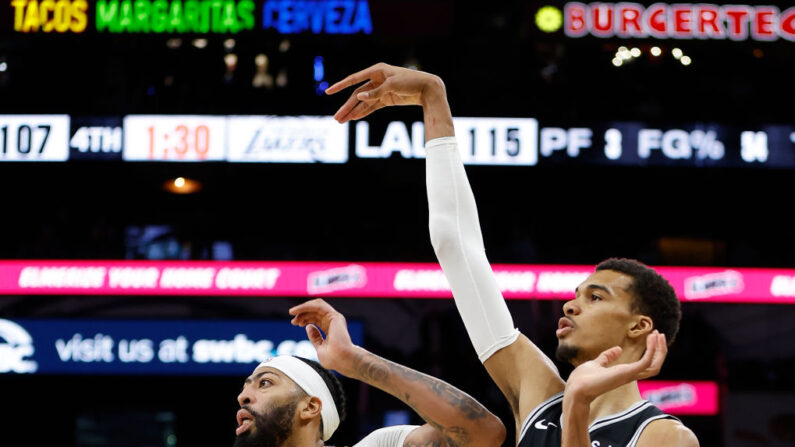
[614,332]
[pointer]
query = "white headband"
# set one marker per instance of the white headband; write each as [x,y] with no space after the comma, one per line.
[310,381]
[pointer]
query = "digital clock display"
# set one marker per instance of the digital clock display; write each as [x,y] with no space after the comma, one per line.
[188,138]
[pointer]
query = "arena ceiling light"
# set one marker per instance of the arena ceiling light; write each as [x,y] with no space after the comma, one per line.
[182,185]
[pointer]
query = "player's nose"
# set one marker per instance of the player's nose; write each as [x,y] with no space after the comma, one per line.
[245,397]
[571,308]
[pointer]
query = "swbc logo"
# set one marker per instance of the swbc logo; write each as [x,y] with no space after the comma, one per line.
[15,346]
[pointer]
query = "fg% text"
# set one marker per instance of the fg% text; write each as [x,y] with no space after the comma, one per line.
[679,144]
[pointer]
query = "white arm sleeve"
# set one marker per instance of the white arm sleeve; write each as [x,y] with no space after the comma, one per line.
[458,243]
[387,437]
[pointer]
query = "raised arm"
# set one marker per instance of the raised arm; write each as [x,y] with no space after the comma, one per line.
[523,373]
[453,417]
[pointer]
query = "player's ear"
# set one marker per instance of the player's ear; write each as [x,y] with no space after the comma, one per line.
[309,408]
[640,326]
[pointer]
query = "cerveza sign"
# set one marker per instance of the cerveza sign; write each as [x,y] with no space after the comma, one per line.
[148,347]
[678,21]
[317,17]
[191,16]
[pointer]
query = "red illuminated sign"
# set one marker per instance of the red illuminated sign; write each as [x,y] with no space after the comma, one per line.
[679,21]
[368,279]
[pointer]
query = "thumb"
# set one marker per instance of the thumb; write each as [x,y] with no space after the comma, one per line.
[375,93]
[313,333]
[608,356]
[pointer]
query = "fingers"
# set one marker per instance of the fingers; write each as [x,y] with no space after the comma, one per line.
[658,356]
[364,109]
[314,336]
[347,112]
[376,93]
[608,356]
[651,362]
[352,102]
[354,79]
[305,318]
[315,305]
[648,355]
[311,312]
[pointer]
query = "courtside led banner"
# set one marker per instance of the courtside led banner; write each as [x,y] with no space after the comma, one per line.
[371,280]
[693,21]
[220,347]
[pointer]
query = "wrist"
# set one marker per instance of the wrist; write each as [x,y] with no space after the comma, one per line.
[575,406]
[350,361]
[436,111]
[433,93]
[575,396]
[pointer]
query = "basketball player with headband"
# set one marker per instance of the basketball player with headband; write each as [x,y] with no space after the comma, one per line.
[615,332]
[295,402]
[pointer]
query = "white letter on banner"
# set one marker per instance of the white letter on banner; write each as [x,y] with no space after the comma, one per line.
[579,138]
[648,139]
[396,139]
[552,139]
[363,148]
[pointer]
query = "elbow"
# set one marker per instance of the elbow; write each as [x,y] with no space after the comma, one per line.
[444,235]
[493,432]
[499,432]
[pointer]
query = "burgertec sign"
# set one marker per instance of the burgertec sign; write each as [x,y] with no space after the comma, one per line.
[679,21]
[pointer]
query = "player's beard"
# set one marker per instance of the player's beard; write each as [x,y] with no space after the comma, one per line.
[270,429]
[566,353]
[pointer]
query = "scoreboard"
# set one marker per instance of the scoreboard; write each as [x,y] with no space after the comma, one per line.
[496,141]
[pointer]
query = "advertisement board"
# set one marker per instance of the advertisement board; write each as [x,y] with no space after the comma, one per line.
[362,279]
[682,397]
[179,347]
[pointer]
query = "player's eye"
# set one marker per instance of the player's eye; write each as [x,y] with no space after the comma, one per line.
[265,382]
[596,298]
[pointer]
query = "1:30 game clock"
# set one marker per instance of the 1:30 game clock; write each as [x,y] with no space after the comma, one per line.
[188,138]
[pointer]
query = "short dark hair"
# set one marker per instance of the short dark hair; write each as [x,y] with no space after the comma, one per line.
[653,295]
[333,384]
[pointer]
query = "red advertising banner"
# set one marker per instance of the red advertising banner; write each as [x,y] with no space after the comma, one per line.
[681,398]
[679,21]
[366,279]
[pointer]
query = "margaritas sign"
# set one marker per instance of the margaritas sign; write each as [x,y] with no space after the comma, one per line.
[175,16]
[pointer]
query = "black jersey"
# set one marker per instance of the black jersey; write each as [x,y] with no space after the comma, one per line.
[542,428]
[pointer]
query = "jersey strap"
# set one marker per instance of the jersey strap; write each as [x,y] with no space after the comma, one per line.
[537,411]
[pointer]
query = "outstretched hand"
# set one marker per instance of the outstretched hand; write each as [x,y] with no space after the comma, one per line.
[334,350]
[387,86]
[596,377]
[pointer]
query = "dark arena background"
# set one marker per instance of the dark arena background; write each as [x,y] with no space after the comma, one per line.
[172,182]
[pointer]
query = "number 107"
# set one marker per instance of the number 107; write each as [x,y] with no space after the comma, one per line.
[24,138]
